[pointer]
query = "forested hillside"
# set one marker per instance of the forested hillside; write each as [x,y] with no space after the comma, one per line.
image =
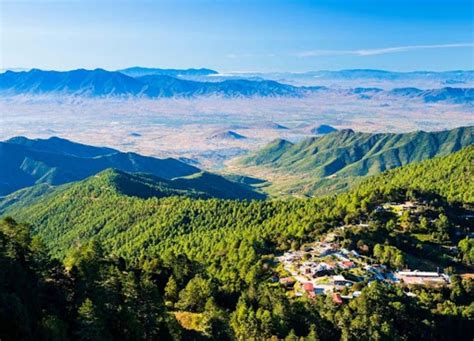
[221,264]
[57,161]
[199,185]
[339,158]
[213,260]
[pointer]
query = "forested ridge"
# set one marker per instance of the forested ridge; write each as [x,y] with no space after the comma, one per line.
[337,161]
[126,264]
[349,153]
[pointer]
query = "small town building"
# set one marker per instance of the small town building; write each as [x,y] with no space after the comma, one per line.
[336,298]
[308,287]
[287,282]
[422,277]
[346,265]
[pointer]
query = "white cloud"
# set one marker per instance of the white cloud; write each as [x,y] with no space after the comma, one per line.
[378,51]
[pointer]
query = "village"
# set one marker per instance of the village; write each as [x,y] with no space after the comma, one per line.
[326,268]
[323,268]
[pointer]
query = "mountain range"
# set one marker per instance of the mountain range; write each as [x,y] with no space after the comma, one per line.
[459,75]
[159,83]
[116,207]
[338,158]
[454,95]
[441,77]
[100,83]
[349,153]
[57,161]
[138,71]
[227,135]
[444,94]
[322,129]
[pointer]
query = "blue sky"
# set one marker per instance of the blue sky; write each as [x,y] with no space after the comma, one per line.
[257,35]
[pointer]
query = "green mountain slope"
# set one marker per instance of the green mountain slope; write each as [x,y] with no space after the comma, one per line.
[107,207]
[61,146]
[450,177]
[122,236]
[201,185]
[25,197]
[348,153]
[56,161]
[335,159]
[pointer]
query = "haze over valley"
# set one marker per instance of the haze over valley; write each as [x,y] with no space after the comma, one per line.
[200,123]
[268,170]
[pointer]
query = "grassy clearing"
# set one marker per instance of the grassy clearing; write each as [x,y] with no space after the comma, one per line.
[190,321]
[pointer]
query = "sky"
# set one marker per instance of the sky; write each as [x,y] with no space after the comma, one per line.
[238,36]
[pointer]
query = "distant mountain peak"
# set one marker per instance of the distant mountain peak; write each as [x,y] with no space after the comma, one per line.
[346,153]
[271,125]
[323,129]
[26,162]
[100,83]
[228,135]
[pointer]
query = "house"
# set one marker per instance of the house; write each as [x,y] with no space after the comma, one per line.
[326,250]
[323,269]
[306,270]
[346,265]
[341,256]
[319,291]
[336,298]
[391,277]
[308,287]
[376,270]
[422,277]
[340,281]
[324,266]
[322,273]
[287,282]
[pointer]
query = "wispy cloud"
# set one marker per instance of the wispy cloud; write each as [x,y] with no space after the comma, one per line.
[378,51]
[249,55]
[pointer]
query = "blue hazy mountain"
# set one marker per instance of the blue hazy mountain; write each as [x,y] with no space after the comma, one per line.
[96,82]
[445,94]
[323,129]
[456,76]
[227,135]
[138,71]
[166,86]
[100,82]
[61,146]
[448,94]
[56,161]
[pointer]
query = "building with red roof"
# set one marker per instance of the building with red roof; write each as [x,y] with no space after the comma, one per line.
[308,287]
[336,298]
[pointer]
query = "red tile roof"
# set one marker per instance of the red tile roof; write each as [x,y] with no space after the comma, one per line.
[308,286]
[336,298]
